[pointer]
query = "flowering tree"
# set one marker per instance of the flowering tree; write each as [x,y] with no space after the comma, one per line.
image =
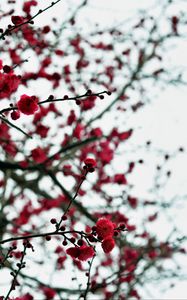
[67,205]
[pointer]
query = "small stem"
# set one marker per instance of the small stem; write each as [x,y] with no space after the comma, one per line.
[48,100]
[14,126]
[88,281]
[20,266]
[71,201]
[37,235]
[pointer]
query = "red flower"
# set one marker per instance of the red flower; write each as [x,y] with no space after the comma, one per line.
[86,252]
[42,130]
[28,105]
[73,252]
[48,292]
[8,84]
[27,6]
[25,297]
[134,294]
[104,228]
[6,69]
[60,262]
[90,162]
[38,155]
[77,132]
[96,132]
[46,29]
[16,20]
[15,115]
[120,179]
[132,201]
[88,103]
[82,253]
[130,254]
[108,244]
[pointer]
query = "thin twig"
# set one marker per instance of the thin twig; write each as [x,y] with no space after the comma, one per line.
[28,21]
[14,126]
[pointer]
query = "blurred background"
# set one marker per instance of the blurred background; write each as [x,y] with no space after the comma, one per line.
[159,137]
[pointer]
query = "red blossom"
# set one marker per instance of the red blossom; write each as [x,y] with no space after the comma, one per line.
[73,252]
[24,297]
[153,217]
[127,278]
[104,228]
[90,162]
[72,117]
[17,20]
[48,292]
[24,214]
[88,103]
[8,84]
[78,131]
[82,253]
[60,262]
[107,262]
[134,294]
[14,56]
[38,155]
[108,244]
[120,179]
[96,132]
[46,29]
[130,254]
[59,52]
[42,130]
[78,124]
[153,254]
[10,148]
[6,69]
[28,104]
[15,115]
[133,202]
[106,154]
[27,6]
[86,252]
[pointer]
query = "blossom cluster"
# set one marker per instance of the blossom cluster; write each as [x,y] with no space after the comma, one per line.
[105,231]
[9,82]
